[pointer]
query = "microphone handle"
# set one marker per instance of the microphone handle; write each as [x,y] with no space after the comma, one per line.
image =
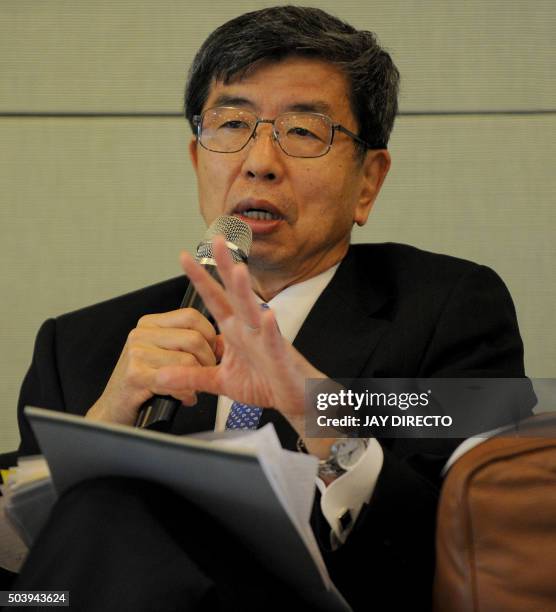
[158,412]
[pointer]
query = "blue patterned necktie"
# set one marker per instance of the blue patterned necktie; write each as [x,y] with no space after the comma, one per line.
[244,416]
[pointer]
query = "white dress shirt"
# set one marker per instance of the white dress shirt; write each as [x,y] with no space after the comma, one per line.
[349,492]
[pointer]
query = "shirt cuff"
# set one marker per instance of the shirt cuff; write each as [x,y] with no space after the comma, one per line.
[341,501]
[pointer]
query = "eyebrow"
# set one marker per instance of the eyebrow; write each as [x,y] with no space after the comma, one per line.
[311,106]
[228,100]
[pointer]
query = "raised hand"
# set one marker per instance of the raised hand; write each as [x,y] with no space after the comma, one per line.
[257,366]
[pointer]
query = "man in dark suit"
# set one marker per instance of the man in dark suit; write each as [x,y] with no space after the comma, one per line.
[292,110]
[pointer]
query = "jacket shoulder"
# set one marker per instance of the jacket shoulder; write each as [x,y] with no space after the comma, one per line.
[407,258]
[129,307]
[401,267]
[88,341]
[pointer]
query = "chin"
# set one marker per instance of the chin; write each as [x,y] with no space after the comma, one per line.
[263,259]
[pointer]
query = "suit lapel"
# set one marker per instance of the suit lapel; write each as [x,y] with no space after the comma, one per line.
[345,324]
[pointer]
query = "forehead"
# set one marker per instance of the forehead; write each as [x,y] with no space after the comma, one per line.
[291,84]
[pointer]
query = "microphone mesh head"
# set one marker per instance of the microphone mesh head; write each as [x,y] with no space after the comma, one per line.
[235,231]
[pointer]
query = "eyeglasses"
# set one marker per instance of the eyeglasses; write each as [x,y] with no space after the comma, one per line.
[225,129]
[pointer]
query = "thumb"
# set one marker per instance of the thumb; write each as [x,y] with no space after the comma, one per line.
[180,379]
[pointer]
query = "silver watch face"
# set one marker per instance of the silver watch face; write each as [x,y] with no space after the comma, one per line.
[348,452]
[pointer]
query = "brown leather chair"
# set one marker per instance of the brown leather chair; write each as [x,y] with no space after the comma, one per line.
[496,535]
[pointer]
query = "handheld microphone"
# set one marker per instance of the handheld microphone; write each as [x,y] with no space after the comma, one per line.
[158,412]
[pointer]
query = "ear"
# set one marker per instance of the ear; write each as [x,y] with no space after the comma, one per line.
[373,172]
[193,153]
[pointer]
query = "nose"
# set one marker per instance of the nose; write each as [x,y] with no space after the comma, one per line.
[264,157]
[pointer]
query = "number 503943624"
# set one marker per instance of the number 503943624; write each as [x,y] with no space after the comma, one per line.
[31,598]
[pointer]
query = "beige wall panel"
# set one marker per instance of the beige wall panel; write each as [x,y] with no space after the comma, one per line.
[94,208]
[89,209]
[481,188]
[100,55]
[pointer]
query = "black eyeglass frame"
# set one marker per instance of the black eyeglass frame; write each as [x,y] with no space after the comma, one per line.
[198,122]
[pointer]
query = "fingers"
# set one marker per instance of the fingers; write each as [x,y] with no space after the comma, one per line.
[148,378]
[155,357]
[155,345]
[212,293]
[182,318]
[272,338]
[238,285]
[235,298]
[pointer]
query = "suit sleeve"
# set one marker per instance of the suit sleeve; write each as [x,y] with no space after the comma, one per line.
[41,386]
[387,561]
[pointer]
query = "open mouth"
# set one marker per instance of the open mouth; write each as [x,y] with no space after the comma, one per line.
[259,215]
[258,210]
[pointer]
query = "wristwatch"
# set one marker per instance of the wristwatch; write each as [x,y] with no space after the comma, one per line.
[344,454]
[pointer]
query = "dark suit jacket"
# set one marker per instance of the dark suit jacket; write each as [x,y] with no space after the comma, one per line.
[390,311]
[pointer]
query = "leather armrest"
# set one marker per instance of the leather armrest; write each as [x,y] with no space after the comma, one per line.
[496,530]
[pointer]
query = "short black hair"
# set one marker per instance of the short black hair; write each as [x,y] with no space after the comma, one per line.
[272,34]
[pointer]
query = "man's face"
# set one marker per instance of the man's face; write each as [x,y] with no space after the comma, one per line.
[314,201]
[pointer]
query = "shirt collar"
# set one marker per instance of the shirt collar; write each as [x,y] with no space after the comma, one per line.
[292,305]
